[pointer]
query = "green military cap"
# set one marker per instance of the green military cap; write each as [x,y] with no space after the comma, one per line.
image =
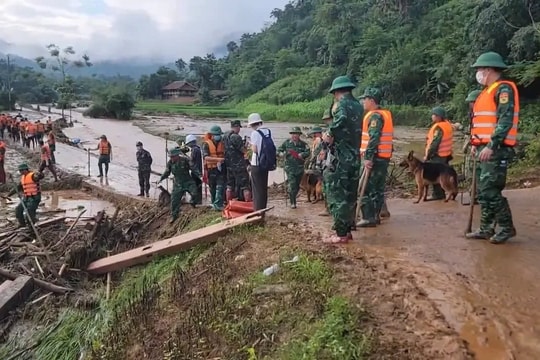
[316,129]
[439,111]
[341,82]
[373,93]
[473,95]
[236,123]
[295,130]
[490,60]
[23,166]
[175,152]
[327,114]
[216,130]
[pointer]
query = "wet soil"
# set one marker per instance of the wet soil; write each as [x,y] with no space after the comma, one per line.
[484,293]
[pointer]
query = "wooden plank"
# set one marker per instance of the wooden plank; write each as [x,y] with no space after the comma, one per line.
[173,245]
[39,283]
[15,294]
[4,285]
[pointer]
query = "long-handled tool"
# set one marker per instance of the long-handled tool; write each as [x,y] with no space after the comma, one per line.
[473,196]
[88,152]
[361,189]
[166,135]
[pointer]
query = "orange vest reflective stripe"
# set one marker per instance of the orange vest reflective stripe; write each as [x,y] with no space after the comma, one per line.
[218,151]
[104,147]
[45,153]
[384,149]
[445,147]
[30,187]
[40,127]
[485,116]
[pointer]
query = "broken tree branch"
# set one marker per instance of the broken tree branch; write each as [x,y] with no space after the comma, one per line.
[39,283]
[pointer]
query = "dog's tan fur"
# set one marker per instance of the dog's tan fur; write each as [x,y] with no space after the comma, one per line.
[312,188]
[447,178]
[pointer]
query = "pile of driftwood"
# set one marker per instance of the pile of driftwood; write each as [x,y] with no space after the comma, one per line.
[57,251]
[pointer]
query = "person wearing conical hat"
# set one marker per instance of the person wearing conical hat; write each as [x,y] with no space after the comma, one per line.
[493,138]
[344,134]
[295,152]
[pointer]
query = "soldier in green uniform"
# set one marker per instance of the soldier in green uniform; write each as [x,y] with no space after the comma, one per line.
[493,137]
[318,160]
[438,115]
[180,166]
[214,147]
[376,155]
[238,184]
[344,171]
[295,151]
[30,194]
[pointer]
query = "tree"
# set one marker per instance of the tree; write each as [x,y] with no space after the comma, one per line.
[182,67]
[62,61]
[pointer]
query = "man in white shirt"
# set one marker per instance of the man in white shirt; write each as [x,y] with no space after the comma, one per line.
[259,176]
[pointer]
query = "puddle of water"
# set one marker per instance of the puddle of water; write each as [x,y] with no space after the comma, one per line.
[73,202]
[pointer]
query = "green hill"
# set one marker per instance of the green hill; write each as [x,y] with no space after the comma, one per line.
[418,51]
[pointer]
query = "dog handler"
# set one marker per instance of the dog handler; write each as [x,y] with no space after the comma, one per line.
[376,151]
[493,137]
[439,144]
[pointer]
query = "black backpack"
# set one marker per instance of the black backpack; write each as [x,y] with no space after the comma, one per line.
[267,159]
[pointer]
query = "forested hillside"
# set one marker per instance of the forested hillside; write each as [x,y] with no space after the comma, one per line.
[417,51]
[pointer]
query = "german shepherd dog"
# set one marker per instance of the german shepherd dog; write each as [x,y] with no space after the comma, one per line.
[311,183]
[426,173]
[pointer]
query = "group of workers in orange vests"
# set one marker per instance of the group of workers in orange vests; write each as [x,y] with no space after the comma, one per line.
[20,129]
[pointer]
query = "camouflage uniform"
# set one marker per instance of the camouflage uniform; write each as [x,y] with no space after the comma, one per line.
[180,166]
[216,176]
[494,206]
[295,155]
[31,203]
[238,182]
[343,177]
[432,156]
[373,199]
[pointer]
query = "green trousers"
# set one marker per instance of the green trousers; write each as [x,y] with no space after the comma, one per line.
[31,204]
[373,199]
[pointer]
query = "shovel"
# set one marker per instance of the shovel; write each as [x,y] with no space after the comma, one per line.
[362,189]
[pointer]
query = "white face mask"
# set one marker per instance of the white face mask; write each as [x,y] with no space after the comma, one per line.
[480,78]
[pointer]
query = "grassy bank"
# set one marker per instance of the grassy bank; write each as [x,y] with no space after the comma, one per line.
[303,112]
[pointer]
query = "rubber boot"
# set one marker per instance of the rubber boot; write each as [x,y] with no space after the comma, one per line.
[438,193]
[506,223]
[229,195]
[141,193]
[218,200]
[293,201]
[247,195]
[384,213]
[368,218]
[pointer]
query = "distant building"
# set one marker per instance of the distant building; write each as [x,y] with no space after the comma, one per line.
[179,90]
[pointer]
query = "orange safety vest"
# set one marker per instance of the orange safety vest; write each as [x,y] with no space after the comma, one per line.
[316,143]
[218,151]
[445,147]
[31,129]
[104,147]
[22,126]
[45,153]
[485,116]
[40,127]
[30,187]
[52,139]
[384,149]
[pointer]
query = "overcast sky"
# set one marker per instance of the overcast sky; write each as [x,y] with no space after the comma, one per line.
[161,30]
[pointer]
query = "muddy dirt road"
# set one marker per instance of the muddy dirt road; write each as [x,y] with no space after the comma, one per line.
[488,293]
